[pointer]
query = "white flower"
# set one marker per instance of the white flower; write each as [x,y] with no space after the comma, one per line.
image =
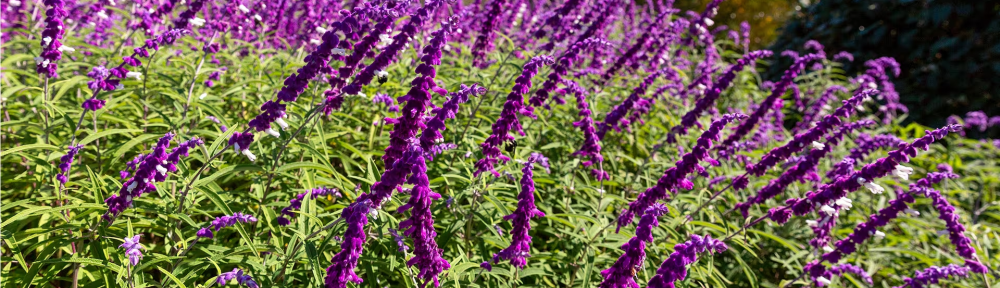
[381,73]
[249,155]
[874,188]
[38,60]
[257,16]
[15,3]
[872,85]
[272,132]
[827,249]
[244,9]
[136,75]
[818,146]
[599,190]
[812,223]
[202,96]
[446,47]
[844,203]
[197,22]
[384,39]
[101,14]
[120,86]
[66,49]
[284,126]
[46,62]
[132,186]
[112,2]
[47,40]
[823,280]
[362,94]
[902,172]
[829,210]
[321,30]
[236,147]
[315,41]
[339,51]
[161,169]
[709,22]
[912,212]
[878,235]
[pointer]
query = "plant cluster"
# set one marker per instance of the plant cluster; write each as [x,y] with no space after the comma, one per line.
[249,152]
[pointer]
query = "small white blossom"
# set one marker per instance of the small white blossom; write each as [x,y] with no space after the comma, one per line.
[823,280]
[912,212]
[844,203]
[902,172]
[272,132]
[132,186]
[818,146]
[136,75]
[381,73]
[321,30]
[827,249]
[66,49]
[709,22]
[315,41]
[384,39]
[878,235]
[202,96]
[339,51]
[281,123]
[872,85]
[249,155]
[47,40]
[829,210]
[197,22]
[244,9]
[38,60]
[874,188]
[120,86]
[15,3]
[161,169]
[101,14]
[812,223]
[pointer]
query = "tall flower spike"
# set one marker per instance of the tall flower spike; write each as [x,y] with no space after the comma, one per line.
[708,100]
[561,67]
[779,89]
[66,162]
[677,176]
[420,225]
[484,42]
[419,96]
[508,117]
[956,231]
[52,35]
[622,272]
[102,76]
[150,168]
[818,107]
[591,147]
[432,133]
[933,275]
[225,221]
[520,243]
[341,270]
[866,144]
[674,268]
[614,118]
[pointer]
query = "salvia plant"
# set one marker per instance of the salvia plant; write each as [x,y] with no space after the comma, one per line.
[494,143]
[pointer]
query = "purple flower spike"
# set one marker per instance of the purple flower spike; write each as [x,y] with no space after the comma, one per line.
[225,221]
[779,89]
[66,162]
[432,133]
[591,147]
[674,268]
[817,107]
[676,176]
[341,270]
[241,278]
[508,117]
[622,272]
[708,100]
[844,55]
[149,168]
[933,275]
[561,67]
[866,144]
[520,243]
[851,269]
[420,225]
[133,249]
[484,42]
[52,35]
[956,231]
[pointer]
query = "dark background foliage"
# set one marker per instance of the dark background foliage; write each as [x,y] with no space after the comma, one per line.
[949,50]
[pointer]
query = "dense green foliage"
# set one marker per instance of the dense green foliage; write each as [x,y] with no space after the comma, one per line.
[949,50]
